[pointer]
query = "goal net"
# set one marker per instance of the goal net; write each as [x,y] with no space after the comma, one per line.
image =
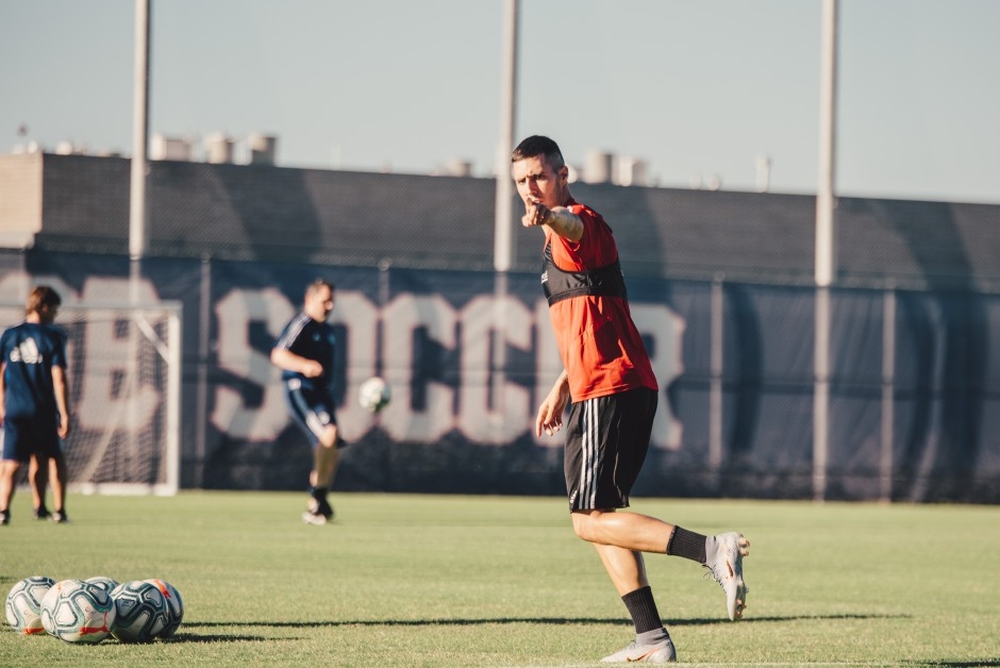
[123,365]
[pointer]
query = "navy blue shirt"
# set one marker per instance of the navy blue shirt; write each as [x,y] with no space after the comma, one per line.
[29,351]
[313,340]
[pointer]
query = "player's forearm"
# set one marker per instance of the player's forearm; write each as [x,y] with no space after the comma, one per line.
[562,382]
[565,223]
[63,407]
[289,361]
[61,392]
[284,359]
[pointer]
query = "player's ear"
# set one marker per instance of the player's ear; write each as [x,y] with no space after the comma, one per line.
[564,174]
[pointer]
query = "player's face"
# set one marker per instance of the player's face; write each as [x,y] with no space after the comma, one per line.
[538,182]
[319,303]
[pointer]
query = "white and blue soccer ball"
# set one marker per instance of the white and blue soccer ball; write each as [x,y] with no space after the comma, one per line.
[104,582]
[175,606]
[78,612]
[374,394]
[141,612]
[24,603]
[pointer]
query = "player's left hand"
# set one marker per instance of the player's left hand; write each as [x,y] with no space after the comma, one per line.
[64,427]
[550,413]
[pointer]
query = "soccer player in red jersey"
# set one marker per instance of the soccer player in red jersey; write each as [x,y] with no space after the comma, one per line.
[609,385]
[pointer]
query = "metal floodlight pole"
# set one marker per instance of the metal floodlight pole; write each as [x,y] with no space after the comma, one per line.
[825,246]
[138,225]
[503,242]
[503,227]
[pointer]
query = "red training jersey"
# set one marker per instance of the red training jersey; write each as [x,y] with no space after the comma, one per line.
[599,344]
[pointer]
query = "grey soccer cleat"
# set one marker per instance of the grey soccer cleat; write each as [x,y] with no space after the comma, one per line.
[725,553]
[661,652]
[317,519]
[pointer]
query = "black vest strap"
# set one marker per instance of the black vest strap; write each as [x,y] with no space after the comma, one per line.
[606,281]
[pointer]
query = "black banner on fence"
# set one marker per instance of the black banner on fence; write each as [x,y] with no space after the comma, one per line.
[468,356]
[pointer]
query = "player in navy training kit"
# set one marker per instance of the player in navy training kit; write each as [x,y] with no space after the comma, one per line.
[34,403]
[305,354]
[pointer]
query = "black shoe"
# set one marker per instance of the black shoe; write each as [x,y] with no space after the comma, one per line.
[42,513]
[4,517]
[59,517]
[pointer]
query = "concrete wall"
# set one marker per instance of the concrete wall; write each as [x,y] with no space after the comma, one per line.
[266,213]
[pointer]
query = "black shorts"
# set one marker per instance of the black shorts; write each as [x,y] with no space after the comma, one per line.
[312,410]
[27,436]
[606,443]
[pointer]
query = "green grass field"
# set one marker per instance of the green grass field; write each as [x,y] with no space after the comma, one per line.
[403,580]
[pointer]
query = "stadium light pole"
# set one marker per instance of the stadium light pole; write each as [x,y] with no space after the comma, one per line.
[503,226]
[138,225]
[825,246]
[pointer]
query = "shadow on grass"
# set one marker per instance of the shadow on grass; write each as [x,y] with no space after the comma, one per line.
[418,622]
[212,638]
[616,621]
[945,663]
[779,618]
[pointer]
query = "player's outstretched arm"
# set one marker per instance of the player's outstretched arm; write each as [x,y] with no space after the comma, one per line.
[559,219]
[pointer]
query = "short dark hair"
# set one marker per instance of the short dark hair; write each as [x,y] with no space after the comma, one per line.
[41,295]
[536,145]
[318,283]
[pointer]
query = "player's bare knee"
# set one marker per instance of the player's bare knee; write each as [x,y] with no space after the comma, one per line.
[586,522]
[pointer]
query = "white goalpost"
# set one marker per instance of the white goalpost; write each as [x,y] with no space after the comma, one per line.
[124,369]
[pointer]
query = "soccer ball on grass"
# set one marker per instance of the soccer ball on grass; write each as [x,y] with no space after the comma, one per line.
[104,582]
[175,606]
[24,602]
[141,612]
[78,612]
[374,394]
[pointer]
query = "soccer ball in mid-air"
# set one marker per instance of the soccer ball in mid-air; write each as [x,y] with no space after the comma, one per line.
[175,606]
[78,612]
[24,603]
[374,394]
[141,612]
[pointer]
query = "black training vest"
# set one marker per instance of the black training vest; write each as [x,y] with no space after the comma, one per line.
[606,281]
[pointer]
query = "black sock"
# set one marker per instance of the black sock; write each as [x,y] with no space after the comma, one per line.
[642,607]
[319,493]
[687,544]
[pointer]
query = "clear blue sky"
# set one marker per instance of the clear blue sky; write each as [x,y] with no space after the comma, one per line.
[695,88]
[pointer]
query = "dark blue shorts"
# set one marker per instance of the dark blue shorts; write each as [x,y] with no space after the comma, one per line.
[312,410]
[27,436]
